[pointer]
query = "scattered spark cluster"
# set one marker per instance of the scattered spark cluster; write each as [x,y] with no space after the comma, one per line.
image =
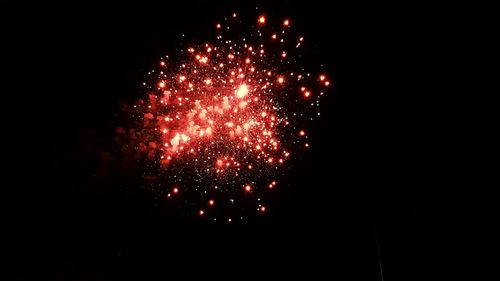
[222,120]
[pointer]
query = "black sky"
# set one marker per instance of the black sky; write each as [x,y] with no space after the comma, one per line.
[379,166]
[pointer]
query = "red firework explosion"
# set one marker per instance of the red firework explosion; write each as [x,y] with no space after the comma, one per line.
[222,119]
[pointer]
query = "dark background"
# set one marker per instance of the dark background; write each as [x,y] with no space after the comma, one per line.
[378,172]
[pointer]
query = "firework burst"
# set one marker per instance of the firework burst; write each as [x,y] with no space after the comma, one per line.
[222,120]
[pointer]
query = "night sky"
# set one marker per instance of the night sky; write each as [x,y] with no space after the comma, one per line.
[376,174]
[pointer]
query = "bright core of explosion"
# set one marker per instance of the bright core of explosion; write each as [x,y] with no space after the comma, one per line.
[242,91]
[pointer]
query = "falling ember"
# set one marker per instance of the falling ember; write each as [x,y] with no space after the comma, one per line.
[221,120]
[272,184]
